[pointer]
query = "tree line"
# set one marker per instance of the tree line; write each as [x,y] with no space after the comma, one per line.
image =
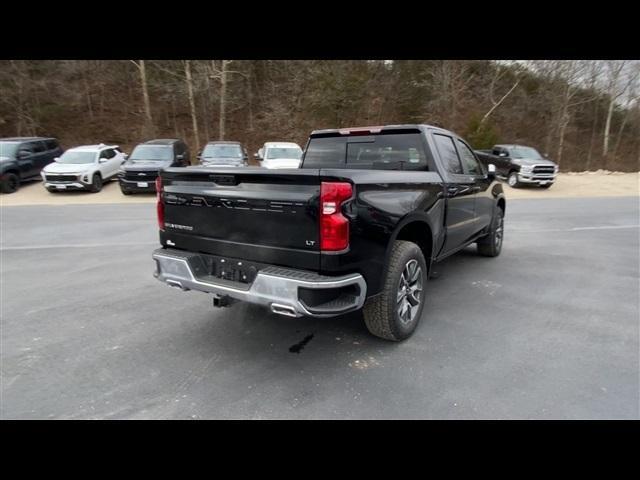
[584,114]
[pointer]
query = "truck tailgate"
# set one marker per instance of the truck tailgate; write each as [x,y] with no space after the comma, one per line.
[249,213]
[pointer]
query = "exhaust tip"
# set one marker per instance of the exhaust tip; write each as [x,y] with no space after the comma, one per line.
[286,310]
[176,284]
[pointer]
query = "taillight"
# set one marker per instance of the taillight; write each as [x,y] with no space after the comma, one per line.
[334,227]
[160,203]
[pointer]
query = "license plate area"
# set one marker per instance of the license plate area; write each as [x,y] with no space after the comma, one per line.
[61,187]
[235,270]
[143,184]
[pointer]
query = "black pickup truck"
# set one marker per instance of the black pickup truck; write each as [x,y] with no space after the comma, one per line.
[359,225]
[519,165]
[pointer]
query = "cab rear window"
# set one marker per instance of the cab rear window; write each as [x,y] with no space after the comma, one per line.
[403,151]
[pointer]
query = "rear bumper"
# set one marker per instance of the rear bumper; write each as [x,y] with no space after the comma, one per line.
[283,291]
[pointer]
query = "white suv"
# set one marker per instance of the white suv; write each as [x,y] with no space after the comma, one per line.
[279,155]
[83,168]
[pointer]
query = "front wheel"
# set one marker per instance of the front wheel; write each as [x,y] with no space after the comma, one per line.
[491,245]
[10,183]
[395,313]
[512,180]
[96,184]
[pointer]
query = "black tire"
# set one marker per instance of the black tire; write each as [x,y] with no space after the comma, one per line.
[491,245]
[382,312]
[512,180]
[96,183]
[10,183]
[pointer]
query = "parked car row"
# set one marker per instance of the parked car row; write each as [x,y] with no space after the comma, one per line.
[88,167]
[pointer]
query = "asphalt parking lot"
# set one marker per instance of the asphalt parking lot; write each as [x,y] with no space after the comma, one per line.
[548,330]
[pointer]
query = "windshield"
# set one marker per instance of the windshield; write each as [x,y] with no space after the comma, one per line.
[288,152]
[8,149]
[152,153]
[77,157]
[525,152]
[222,151]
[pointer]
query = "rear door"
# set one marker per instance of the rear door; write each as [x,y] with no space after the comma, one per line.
[26,156]
[460,193]
[484,201]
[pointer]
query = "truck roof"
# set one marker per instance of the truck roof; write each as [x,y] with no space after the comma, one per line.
[376,129]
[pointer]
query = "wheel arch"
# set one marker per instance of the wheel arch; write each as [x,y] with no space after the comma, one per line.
[417,229]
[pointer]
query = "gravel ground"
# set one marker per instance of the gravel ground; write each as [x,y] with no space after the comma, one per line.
[596,184]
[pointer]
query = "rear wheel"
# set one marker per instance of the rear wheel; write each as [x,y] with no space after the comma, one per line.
[96,184]
[512,180]
[491,245]
[395,313]
[10,183]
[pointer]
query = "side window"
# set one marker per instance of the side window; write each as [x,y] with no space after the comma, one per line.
[38,147]
[448,153]
[471,165]
[108,153]
[28,147]
[496,151]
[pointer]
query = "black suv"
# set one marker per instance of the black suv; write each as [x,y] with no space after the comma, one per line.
[139,172]
[224,154]
[22,158]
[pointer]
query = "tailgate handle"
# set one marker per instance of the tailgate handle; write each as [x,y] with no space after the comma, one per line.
[224,179]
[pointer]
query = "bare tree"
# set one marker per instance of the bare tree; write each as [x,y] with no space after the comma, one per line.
[192,103]
[149,127]
[616,87]
[495,104]
[632,100]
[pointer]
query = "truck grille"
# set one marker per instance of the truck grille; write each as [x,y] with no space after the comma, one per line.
[144,176]
[61,178]
[546,169]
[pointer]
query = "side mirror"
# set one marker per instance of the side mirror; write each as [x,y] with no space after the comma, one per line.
[103,160]
[125,155]
[491,171]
